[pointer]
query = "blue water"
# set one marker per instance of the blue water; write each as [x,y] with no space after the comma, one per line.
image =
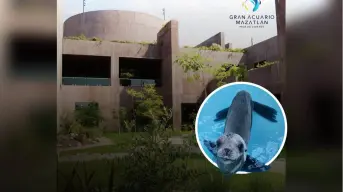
[266,137]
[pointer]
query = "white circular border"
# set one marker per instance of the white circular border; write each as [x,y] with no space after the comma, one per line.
[240,83]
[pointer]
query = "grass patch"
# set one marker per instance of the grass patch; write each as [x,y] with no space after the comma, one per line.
[99,149]
[309,164]
[120,138]
[283,153]
[121,143]
[180,133]
[213,180]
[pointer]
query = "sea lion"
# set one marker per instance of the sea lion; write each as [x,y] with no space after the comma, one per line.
[230,149]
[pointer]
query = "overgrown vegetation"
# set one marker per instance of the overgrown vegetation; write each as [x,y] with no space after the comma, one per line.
[85,123]
[266,63]
[147,105]
[134,42]
[152,162]
[216,47]
[84,38]
[195,65]
[104,175]
[226,70]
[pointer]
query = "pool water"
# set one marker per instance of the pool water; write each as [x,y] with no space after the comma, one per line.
[266,137]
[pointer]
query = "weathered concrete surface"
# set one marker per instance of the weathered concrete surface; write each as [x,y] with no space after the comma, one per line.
[126,25]
[108,97]
[192,91]
[269,77]
[218,38]
[114,25]
[106,48]
[266,50]
[168,40]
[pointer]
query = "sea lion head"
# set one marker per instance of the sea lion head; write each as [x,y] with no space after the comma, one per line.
[231,153]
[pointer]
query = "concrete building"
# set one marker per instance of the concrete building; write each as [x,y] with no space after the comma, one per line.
[92,70]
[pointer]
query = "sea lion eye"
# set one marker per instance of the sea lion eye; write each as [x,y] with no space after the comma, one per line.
[241,147]
[220,141]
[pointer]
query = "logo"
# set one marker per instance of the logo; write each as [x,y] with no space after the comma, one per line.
[251,5]
[251,19]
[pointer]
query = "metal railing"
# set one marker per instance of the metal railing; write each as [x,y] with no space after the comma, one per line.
[137,82]
[86,81]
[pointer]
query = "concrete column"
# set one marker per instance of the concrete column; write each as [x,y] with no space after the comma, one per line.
[168,41]
[280,6]
[115,92]
[59,72]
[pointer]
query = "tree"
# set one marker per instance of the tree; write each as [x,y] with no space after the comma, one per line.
[227,70]
[148,104]
[194,65]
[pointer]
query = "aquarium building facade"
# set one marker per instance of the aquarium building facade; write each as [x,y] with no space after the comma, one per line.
[147,47]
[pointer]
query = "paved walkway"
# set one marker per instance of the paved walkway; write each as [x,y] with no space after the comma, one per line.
[102,142]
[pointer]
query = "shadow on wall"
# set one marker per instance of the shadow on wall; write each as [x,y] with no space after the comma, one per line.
[210,87]
[151,52]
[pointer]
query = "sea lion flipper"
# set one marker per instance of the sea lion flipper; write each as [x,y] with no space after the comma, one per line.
[222,114]
[211,146]
[253,165]
[265,111]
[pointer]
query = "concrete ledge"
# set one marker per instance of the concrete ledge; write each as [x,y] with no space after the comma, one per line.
[217,38]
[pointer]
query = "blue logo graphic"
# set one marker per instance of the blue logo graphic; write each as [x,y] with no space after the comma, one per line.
[252,5]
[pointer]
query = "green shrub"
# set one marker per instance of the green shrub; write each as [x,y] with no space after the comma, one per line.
[89,116]
[217,47]
[92,133]
[126,121]
[133,42]
[266,63]
[95,39]
[83,37]
[65,123]
[76,128]
[187,127]
[148,103]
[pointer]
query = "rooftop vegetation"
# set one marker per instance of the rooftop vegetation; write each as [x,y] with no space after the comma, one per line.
[216,47]
[84,38]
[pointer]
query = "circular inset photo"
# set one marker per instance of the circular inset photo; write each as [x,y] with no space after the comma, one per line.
[241,128]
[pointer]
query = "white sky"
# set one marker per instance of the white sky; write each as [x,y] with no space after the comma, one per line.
[198,19]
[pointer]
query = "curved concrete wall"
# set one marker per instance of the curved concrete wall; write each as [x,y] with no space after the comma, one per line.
[114,25]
